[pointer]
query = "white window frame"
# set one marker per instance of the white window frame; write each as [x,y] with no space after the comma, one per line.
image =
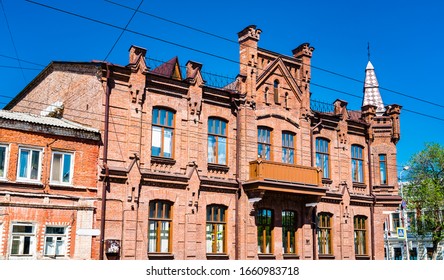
[28,175]
[58,237]
[22,236]
[5,171]
[71,169]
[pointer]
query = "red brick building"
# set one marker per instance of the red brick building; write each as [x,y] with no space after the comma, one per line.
[245,171]
[48,189]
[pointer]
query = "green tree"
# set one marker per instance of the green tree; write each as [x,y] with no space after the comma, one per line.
[424,193]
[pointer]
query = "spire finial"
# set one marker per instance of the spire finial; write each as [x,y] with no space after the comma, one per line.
[368,50]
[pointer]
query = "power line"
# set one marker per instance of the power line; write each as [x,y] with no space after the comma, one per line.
[200,51]
[17,67]
[315,67]
[123,31]
[199,135]
[12,39]
[10,57]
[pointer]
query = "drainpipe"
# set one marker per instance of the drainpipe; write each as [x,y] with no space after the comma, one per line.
[105,161]
[372,207]
[239,183]
[314,210]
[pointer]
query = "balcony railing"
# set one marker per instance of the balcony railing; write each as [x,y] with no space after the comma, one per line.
[269,170]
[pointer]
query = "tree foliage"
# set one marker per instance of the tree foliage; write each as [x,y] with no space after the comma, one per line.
[424,192]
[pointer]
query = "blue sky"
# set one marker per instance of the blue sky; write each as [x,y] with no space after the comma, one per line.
[405,45]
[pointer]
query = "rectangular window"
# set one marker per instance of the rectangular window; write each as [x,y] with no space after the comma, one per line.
[22,240]
[289,227]
[357,164]
[396,221]
[3,160]
[287,147]
[29,164]
[217,141]
[324,234]
[216,227]
[162,133]
[159,231]
[55,241]
[263,143]
[360,235]
[383,169]
[61,168]
[264,222]
[322,157]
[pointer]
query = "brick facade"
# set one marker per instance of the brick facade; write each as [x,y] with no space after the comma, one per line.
[272,91]
[28,206]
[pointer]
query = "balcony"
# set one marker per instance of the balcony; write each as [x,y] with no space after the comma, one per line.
[284,178]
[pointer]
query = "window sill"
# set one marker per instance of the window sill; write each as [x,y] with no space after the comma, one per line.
[291,256]
[359,185]
[160,256]
[163,160]
[217,256]
[362,257]
[326,257]
[218,167]
[262,256]
[327,181]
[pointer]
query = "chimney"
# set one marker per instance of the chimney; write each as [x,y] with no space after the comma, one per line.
[248,39]
[135,53]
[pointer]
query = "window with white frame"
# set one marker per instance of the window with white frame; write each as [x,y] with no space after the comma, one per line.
[3,161]
[61,168]
[22,240]
[29,163]
[55,241]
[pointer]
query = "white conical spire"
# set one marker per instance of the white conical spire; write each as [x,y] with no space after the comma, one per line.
[371,90]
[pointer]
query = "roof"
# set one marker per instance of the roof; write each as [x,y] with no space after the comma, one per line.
[372,96]
[41,120]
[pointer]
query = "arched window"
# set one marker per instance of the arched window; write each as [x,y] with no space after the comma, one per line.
[324,233]
[383,168]
[360,228]
[216,229]
[162,133]
[265,224]
[357,164]
[276,91]
[159,228]
[289,227]
[288,147]
[322,156]
[264,142]
[217,141]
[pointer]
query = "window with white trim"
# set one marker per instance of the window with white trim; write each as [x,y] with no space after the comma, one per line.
[3,161]
[22,240]
[61,168]
[55,241]
[29,164]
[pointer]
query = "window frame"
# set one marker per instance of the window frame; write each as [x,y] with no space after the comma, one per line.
[159,221]
[22,243]
[383,169]
[264,144]
[221,221]
[71,168]
[325,230]
[360,235]
[289,232]
[63,238]
[163,128]
[29,163]
[357,164]
[267,232]
[216,141]
[323,157]
[5,162]
[289,149]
